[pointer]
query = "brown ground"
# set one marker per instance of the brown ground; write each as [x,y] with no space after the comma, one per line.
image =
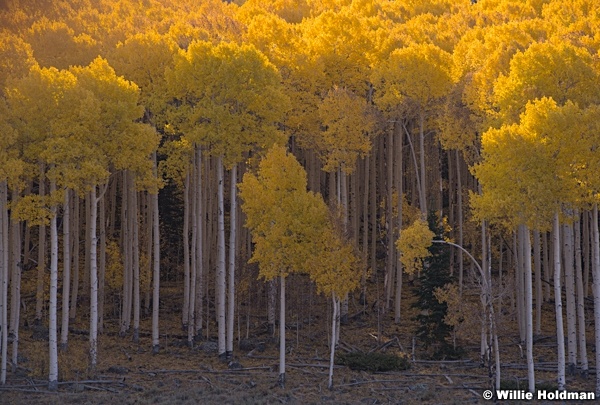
[129,373]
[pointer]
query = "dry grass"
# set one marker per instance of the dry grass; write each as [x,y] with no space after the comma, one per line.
[128,373]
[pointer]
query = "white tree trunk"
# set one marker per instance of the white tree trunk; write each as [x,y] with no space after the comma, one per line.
[281,379]
[75,271]
[221,261]
[334,324]
[93,281]
[560,334]
[528,307]
[232,257]
[53,319]
[580,300]
[4,266]
[66,225]
[570,298]
[538,281]
[15,280]
[422,184]
[596,287]
[136,265]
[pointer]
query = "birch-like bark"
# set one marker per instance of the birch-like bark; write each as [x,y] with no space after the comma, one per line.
[101,260]
[93,351]
[232,257]
[581,339]
[66,225]
[595,239]
[538,281]
[52,311]
[570,298]
[15,286]
[560,337]
[136,264]
[75,270]
[528,307]
[334,324]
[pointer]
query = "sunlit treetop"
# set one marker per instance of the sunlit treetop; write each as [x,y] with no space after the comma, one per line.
[229,99]
[561,71]
[144,59]
[286,220]
[16,58]
[413,79]
[413,245]
[531,169]
[55,44]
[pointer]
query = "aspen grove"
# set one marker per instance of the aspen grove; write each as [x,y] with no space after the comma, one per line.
[238,152]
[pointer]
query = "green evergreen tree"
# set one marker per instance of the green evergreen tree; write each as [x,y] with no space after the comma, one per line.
[432,329]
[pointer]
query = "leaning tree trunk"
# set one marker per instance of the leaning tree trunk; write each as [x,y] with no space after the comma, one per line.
[334,332]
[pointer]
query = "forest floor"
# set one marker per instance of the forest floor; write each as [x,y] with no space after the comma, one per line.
[128,373]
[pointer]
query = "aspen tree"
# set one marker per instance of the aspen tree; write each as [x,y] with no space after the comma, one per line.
[231,98]
[285,221]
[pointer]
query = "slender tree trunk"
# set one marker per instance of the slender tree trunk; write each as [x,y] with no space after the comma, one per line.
[271,306]
[400,192]
[127,232]
[185,315]
[580,300]
[66,225]
[93,281]
[595,236]
[391,246]
[101,261]
[528,307]
[75,231]
[281,379]
[570,298]
[15,305]
[196,248]
[53,318]
[459,210]
[4,266]
[221,261]
[136,264]
[560,337]
[538,281]
[232,257]
[41,267]
[546,251]
[422,184]
[155,264]
[334,324]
